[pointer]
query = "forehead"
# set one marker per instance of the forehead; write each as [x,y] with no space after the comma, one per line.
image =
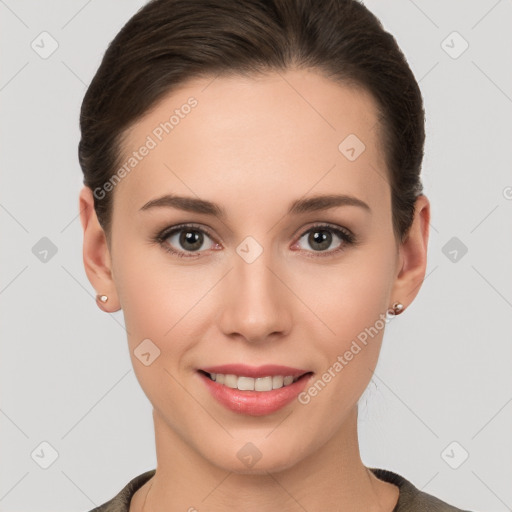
[278,133]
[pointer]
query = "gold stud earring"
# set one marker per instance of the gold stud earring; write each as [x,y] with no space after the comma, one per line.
[398,308]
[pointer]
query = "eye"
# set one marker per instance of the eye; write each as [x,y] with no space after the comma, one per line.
[320,237]
[187,238]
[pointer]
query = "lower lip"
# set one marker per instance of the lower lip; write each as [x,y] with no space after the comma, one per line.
[255,403]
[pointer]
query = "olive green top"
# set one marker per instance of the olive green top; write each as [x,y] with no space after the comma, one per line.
[410,498]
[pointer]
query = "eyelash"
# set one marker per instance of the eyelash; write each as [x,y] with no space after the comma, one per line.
[347,237]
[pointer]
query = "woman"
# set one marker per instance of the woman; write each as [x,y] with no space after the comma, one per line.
[253,204]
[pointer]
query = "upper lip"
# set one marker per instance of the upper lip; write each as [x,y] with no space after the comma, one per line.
[255,371]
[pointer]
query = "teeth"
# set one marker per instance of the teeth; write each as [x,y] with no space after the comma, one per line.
[277,381]
[250,384]
[287,380]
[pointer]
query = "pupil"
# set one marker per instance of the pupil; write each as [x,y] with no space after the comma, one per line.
[322,239]
[191,237]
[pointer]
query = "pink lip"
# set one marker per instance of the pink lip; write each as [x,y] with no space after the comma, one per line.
[255,403]
[255,371]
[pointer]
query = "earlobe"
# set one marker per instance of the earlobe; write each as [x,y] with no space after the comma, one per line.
[96,254]
[413,255]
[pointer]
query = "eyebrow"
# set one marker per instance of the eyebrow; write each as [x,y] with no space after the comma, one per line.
[309,204]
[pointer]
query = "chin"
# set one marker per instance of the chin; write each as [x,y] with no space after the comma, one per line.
[251,460]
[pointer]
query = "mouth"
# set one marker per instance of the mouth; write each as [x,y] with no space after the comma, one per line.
[254,391]
[246,383]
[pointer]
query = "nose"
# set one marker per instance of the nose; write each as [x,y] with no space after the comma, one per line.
[255,301]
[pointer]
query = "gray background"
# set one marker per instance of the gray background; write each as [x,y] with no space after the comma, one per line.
[445,370]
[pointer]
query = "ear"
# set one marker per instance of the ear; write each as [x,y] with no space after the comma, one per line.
[413,255]
[96,253]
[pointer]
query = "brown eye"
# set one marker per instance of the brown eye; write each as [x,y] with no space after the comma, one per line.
[321,237]
[181,240]
[190,240]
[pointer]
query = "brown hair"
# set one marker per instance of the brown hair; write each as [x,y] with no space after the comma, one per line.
[168,42]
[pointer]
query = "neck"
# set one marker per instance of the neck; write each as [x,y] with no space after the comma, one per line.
[333,477]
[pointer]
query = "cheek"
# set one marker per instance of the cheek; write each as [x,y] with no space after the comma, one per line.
[353,304]
[352,296]
[160,301]
[155,314]
[144,289]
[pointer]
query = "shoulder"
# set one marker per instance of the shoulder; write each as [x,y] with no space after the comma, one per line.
[412,499]
[121,501]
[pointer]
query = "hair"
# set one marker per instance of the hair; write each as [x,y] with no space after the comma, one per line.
[168,42]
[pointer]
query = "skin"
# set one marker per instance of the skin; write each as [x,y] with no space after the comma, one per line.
[253,145]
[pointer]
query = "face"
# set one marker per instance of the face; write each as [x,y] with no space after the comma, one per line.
[263,282]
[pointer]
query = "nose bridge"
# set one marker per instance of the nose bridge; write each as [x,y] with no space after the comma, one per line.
[252,259]
[254,307]
[254,276]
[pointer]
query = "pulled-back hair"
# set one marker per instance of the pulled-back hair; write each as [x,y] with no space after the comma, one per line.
[168,42]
